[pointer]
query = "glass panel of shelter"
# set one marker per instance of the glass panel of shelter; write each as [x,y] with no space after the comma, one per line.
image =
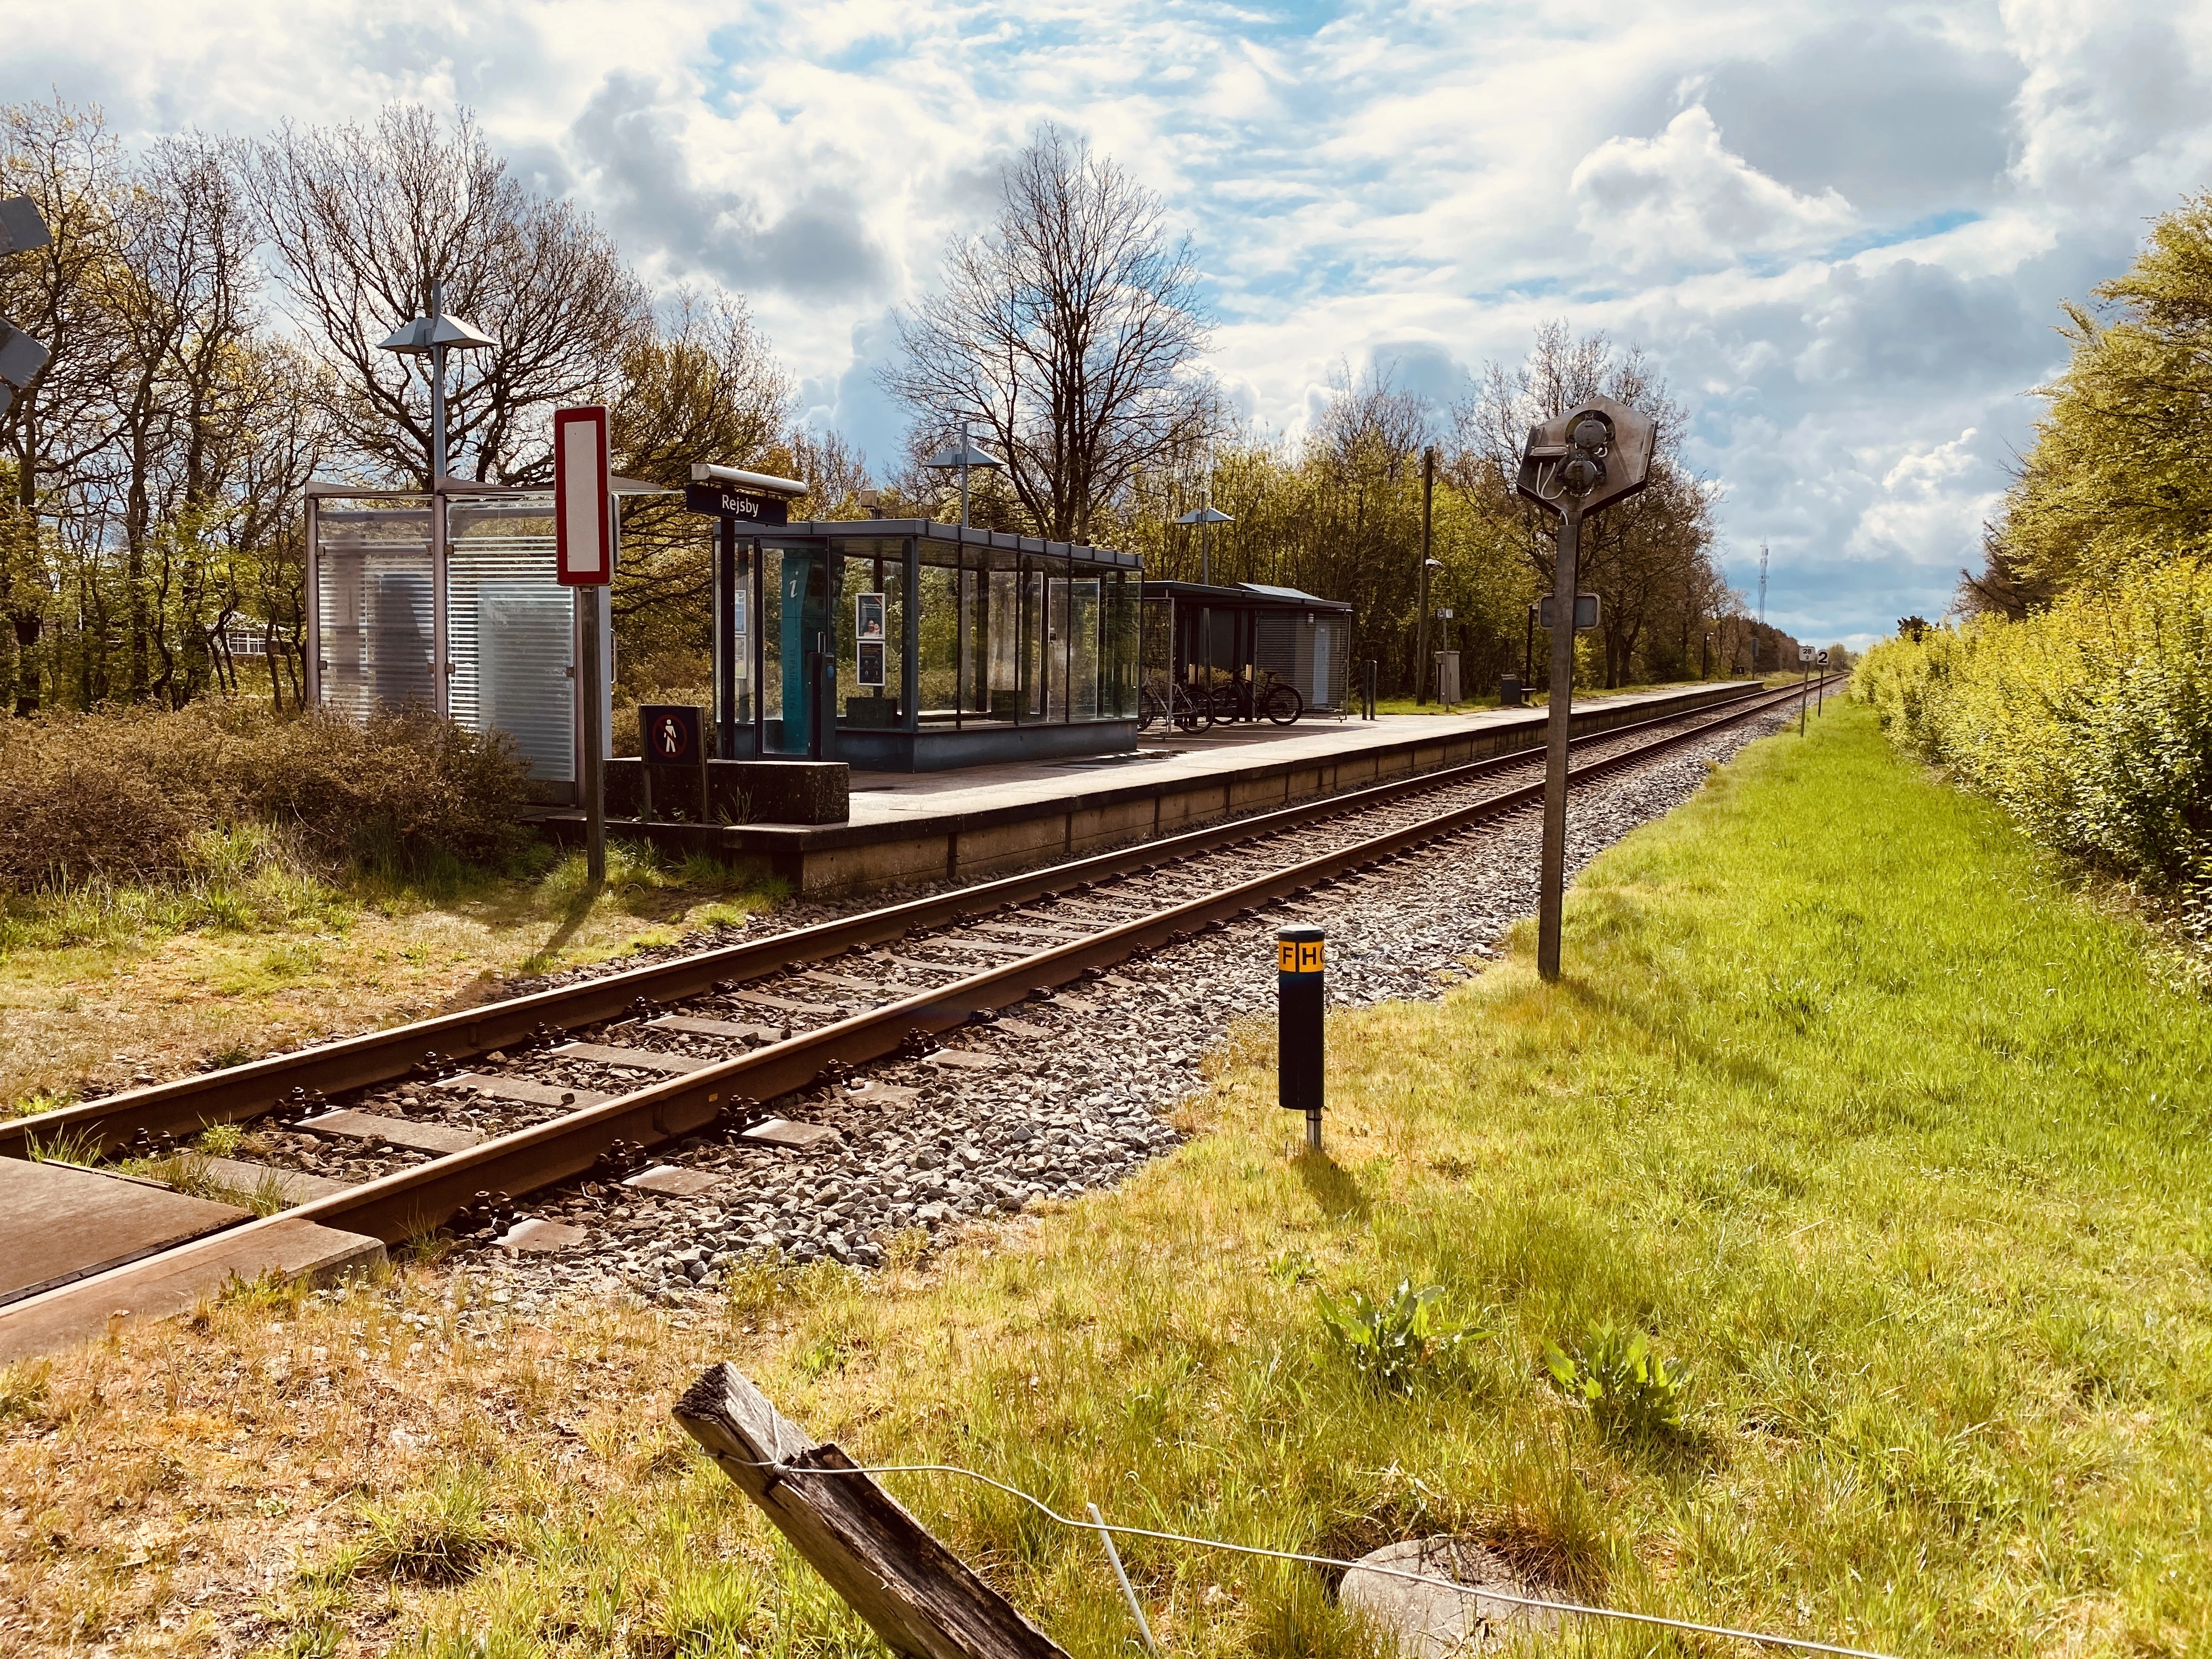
[510,630]
[871,565]
[375,604]
[1000,634]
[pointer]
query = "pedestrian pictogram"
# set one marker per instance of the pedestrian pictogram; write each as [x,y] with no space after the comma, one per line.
[669,734]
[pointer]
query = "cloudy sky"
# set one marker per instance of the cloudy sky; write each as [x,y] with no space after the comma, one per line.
[1843,231]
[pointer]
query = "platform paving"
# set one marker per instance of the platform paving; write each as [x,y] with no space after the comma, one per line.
[59,1223]
[979,822]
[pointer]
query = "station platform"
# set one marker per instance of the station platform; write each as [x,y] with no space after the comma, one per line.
[983,821]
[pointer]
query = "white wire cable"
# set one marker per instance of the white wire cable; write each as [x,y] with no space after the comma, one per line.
[785,1471]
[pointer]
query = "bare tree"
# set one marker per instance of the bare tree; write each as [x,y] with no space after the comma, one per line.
[65,161]
[184,304]
[1641,556]
[364,221]
[1069,334]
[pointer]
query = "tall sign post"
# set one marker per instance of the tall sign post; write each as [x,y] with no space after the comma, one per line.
[584,537]
[1575,465]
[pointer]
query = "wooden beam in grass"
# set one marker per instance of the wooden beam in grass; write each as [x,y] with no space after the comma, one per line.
[915,1594]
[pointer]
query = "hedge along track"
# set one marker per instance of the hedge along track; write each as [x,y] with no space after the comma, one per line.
[725,1093]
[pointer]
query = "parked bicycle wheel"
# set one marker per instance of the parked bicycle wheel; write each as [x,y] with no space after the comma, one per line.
[1150,709]
[1193,715]
[1283,705]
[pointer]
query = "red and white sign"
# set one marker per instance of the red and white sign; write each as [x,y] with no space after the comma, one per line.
[581,496]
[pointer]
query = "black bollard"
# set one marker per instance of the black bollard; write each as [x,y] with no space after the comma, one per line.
[1301,956]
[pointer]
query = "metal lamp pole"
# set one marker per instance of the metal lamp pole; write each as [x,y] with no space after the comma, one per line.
[437,385]
[963,475]
[1421,623]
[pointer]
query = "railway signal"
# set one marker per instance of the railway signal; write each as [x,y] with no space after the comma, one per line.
[1300,979]
[1575,465]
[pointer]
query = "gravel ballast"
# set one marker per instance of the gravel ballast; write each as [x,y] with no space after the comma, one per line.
[1057,1112]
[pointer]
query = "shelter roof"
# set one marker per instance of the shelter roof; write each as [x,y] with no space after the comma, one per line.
[1246,596]
[930,530]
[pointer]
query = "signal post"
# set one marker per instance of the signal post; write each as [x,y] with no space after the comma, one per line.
[1576,464]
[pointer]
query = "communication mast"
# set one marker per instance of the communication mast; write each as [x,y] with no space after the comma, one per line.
[1762,607]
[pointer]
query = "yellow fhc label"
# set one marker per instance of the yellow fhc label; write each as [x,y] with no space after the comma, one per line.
[1300,956]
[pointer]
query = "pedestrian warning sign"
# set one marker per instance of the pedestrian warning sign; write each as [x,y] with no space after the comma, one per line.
[670,734]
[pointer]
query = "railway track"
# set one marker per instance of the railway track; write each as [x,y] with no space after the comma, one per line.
[450,1122]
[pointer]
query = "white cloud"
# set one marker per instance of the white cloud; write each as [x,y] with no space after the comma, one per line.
[1841,229]
[1684,199]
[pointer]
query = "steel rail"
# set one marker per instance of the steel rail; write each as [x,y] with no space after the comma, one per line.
[414,1202]
[232,1094]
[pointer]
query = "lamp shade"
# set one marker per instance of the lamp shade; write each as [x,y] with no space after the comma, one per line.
[965,455]
[424,333]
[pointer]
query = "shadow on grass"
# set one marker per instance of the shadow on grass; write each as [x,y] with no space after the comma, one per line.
[1665,1029]
[1336,1191]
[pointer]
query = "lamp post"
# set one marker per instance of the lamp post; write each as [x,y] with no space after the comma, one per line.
[433,336]
[1421,621]
[1206,518]
[961,460]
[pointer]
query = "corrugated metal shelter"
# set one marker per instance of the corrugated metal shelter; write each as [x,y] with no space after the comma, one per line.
[1248,634]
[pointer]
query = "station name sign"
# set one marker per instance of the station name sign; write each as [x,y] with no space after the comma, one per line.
[728,503]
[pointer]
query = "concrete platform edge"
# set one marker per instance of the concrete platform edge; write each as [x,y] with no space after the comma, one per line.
[164,1287]
[997,841]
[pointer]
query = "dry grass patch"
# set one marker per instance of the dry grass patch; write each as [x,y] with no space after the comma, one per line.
[109,997]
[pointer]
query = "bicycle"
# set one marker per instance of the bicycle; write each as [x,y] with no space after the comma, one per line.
[1276,700]
[1282,702]
[1178,708]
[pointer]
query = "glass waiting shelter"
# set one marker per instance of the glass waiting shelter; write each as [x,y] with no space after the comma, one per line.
[449,601]
[905,645]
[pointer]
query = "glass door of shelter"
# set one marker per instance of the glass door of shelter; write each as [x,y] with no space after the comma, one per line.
[795,593]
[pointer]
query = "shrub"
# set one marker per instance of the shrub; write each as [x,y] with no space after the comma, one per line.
[2090,723]
[119,796]
[1392,1344]
[1628,1389]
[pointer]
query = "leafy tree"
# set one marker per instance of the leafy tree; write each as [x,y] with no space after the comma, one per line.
[2116,478]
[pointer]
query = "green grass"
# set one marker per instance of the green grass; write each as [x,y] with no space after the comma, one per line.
[1886,1142]
[1486,695]
[1845,1100]
[256,948]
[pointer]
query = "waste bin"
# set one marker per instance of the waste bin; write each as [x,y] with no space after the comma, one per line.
[1509,692]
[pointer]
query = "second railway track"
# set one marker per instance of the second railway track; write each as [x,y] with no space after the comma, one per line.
[397,1133]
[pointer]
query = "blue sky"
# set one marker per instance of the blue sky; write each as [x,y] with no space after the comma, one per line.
[1842,231]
